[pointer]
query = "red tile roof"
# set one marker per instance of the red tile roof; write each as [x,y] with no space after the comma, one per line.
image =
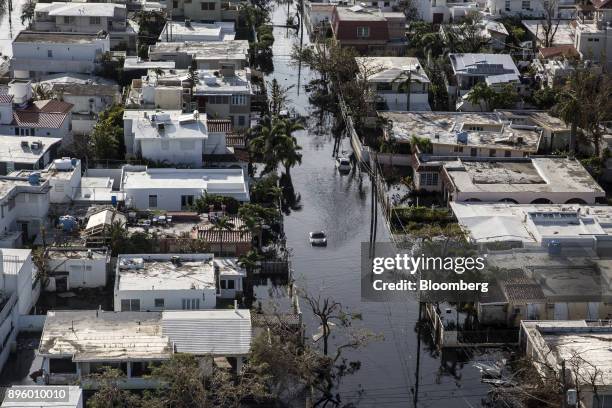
[567,50]
[208,232]
[6,98]
[219,125]
[43,114]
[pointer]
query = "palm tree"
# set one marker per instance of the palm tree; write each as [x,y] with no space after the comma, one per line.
[288,151]
[220,225]
[42,91]
[405,81]
[279,97]
[480,93]
[118,236]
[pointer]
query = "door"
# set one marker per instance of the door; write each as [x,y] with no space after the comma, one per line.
[561,311]
[593,311]
[532,311]
[61,283]
[438,18]
[24,230]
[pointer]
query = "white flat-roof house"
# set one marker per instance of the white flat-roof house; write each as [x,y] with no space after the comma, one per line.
[155,282]
[171,136]
[207,55]
[26,152]
[75,344]
[73,267]
[64,178]
[386,77]
[20,292]
[74,397]
[86,17]
[523,181]
[24,204]
[172,90]
[208,12]
[583,347]
[495,70]
[176,189]
[176,31]
[443,11]
[522,8]
[39,53]
[532,225]
[593,36]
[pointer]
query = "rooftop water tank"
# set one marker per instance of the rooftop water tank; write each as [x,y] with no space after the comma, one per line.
[34,179]
[63,164]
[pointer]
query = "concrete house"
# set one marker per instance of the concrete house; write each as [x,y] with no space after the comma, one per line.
[176,189]
[26,152]
[583,346]
[207,55]
[592,33]
[207,11]
[386,75]
[86,17]
[75,344]
[176,31]
[71,267]
[524,8]
[175,282]
[38,53]
[443,11]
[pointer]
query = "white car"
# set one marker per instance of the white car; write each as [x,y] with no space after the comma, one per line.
[343,164]
[318,238]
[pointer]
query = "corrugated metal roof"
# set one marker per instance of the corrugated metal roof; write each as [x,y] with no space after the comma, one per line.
[43,114]
[209,332]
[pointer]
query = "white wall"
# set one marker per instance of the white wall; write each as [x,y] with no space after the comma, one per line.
[173,299]
[82,272]
[175,151]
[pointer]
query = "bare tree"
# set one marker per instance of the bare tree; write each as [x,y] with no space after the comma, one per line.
[550,21]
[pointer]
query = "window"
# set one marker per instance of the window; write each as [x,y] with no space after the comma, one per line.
[159,302]
[152,201]
[458,149]
[526,5]
[492,153]
[218,100]
[175,4]
[95,20]
[507,153]
[50,53]
[207,6]
[239,100]
[241,121]
[473,152]
[231,284]
[429,179]
[68,20]
[191,304]
[363,32]
[130,305]
[384,86]
[387,3]
[507,5]
[187,201]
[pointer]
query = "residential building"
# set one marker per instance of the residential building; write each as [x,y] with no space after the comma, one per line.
[134,63]
[176,31]
[74,395]
[24,205]
[75,344]
[170,91]
[207,55]
[387,77]
[489,30]
[522,8]
[175,281]
[225,94]
[26,152]
[369,30]
[63,176]
[563,34]
[170,136]
[470,134]
[318,17]
[40,53]
[204,11]
[529,225]
[592,33]
[176,189]
[492,69]
[74,267]
[442,11]
[87,17]
[582,347]
[541,180]
[553,72]
[20,290]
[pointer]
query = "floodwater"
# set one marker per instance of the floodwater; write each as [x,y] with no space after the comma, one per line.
[340,205]
[10,24]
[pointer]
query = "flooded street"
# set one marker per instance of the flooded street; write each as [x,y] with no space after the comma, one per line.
[340,205]
[10,25]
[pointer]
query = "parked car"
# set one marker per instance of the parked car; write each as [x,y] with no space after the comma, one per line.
[343,164]
[318,238]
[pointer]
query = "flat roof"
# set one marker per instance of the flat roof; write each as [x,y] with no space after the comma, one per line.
[214,181]
[13,259]
[537,174]
[56,37]
[568,340]
[132,63]
[485,129]
[25,149]
[175,31]
[535,118]
[16,183]
[563,33]
[76,253]
[358,13]
[528,223]
[483,64]
[209,83]
[170,124]
[97,335]
[212,50]
[75,397]
[159,272]
[77,9]
[388,69]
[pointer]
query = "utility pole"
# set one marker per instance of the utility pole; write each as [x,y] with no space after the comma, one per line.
[418,361]
[563,381]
